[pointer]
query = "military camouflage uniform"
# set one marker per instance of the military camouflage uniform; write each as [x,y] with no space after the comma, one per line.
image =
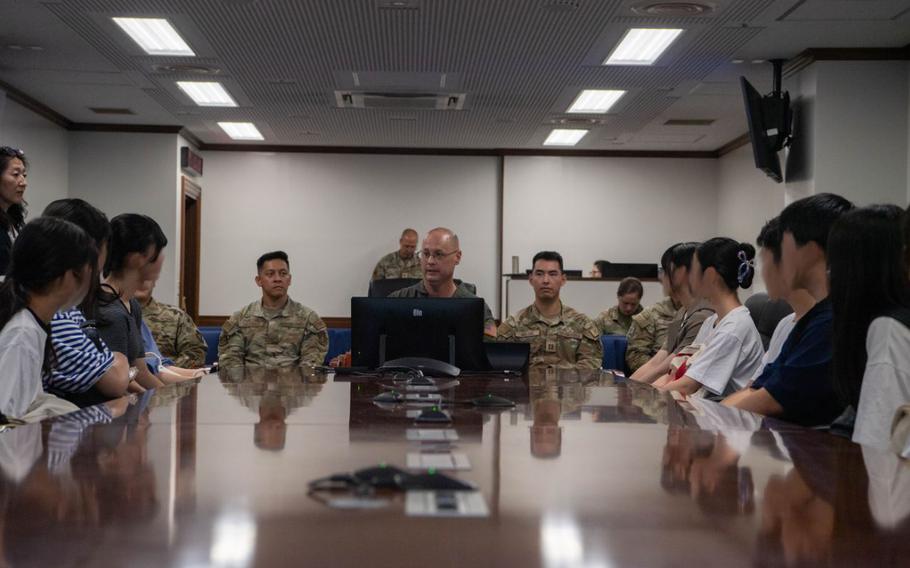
[462,290]
[289,387]
[291,336]
[614,322]
[568,340]
[649,332]
[175,334]
[393,266]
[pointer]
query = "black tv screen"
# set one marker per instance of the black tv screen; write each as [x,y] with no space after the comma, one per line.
[763,132]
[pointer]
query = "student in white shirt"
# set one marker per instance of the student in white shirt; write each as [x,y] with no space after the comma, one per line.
[731,347]
[870,296]
[50,269]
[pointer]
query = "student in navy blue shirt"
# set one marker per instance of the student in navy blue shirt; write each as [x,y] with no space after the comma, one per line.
[797,386]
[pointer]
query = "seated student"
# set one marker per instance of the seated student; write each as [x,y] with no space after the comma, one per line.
[274,331]
[438,258]
[136,255]
[648,331]
[618,319]
[51,268]
[796,385]
[870,296]
[174,331]
[86,371]
[731,347]
[559,336]
[13,174]
[686,323]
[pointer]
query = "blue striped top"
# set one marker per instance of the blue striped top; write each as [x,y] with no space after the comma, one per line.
[80,363]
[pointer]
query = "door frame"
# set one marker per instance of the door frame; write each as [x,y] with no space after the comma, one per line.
[190,190]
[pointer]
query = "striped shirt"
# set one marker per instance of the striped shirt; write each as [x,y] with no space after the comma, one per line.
[67,432]
[80,362]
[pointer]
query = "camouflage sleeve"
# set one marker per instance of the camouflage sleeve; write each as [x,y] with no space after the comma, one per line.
[638,351]
[230,344]
[378,272]
[506,331]
[590,350]
[600,322]
[191,346]
[315,343]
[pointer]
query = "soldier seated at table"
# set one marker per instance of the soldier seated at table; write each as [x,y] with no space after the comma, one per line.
[275,331]
[618,319]
[174,331]
[558,335]
[402,263]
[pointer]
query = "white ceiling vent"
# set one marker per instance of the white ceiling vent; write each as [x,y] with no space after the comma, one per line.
[399,101]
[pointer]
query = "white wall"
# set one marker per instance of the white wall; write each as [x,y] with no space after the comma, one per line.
[335,216]
[132,173]
[45,145]
[860,130]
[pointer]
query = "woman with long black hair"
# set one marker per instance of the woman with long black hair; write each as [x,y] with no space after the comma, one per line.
[870,296]
[50,269]
[13,173]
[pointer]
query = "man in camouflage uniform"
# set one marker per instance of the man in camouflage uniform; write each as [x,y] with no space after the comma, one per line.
[402,263]
[438,258]
[649,332]
[559,336]
[176,335]
[618,319]
[274,331]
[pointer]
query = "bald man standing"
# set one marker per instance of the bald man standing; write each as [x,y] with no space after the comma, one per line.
[439,256]
[402,263]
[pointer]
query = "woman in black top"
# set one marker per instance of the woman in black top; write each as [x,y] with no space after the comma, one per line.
[13,166]
[135,256]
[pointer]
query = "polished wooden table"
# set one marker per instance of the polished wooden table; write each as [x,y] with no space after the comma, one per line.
[584,471]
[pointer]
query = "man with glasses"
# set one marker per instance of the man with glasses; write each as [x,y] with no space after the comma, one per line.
[402,263]
[559,336]
[439,256]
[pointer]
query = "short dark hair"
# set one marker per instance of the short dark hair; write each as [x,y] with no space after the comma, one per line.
[548,255]
[630,285]
[810,219]
[868,278]
[770,237]
[678,255]
[726,257]
[274,255]
[602,266]
[84,215]
[132,232]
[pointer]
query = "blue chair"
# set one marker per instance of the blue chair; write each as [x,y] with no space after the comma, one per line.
[211,335]
[614,351]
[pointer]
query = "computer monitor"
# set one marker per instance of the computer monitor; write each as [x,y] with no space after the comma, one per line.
[446,329]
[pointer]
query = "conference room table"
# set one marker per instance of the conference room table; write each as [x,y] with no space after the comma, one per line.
[585,470]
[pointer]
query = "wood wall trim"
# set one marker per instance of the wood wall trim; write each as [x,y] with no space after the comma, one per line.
[218,321]
[735,144]
[37,107]
[130,128]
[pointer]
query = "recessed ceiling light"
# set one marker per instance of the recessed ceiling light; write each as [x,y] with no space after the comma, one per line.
[241,130]
[564,137]
[736,61]
[642,46]
[156,36]
[207,93]
[595,101]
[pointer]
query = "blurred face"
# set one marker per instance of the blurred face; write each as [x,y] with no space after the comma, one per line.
[547,279]
[698,278]
[771,274]
[274,278]
[150,264]
[438,258]
[75,285]
[679,278]
[144,292]
[595,272]
[628,303]
[12,184]
[665,284]
[407,246]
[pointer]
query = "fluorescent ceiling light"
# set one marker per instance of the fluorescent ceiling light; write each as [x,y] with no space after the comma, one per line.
[565,137]
[594,101]
[156,36]
[241,130]
[207,93]
[642,46]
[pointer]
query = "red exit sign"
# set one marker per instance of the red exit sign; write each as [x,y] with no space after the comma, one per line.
[190,161]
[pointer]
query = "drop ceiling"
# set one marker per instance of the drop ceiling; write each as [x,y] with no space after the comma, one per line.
[515,61]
